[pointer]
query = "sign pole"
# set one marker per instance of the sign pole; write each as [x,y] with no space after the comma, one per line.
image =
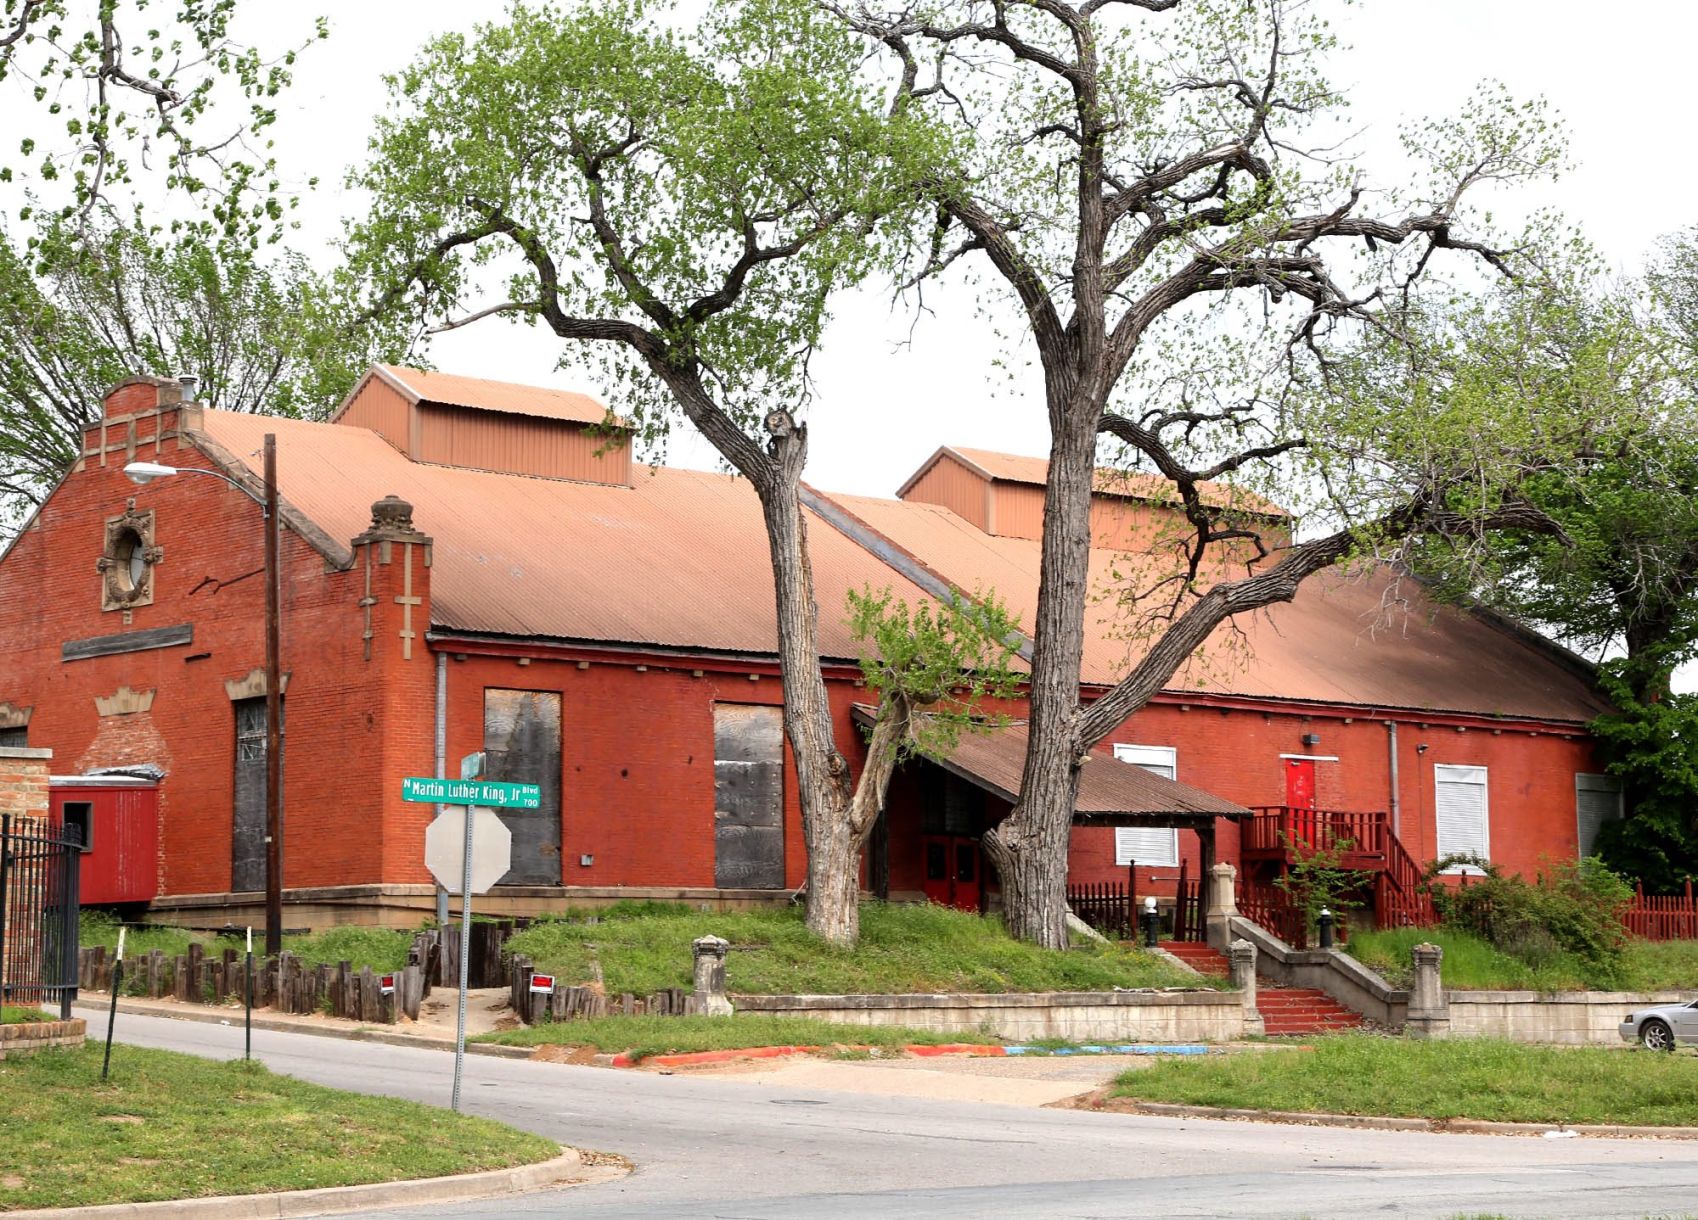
[248,1017]
[112,1012]
[470,768]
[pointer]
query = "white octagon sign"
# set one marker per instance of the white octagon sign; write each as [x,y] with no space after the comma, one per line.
[445,848]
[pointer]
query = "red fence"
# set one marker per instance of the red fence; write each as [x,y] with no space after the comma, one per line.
[1662,916]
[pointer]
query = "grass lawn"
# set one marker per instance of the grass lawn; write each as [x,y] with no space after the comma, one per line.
[644,1035]
[383,949]
[1471,964]
[1466,1078]
[16,1016]
[642,948]
[169,1126]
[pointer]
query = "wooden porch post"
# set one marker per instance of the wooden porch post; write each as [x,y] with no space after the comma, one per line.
[1206,856]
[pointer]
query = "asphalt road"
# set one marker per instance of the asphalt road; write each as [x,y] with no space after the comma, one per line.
[716,1147]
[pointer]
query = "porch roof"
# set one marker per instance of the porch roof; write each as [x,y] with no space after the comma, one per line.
[1110,793]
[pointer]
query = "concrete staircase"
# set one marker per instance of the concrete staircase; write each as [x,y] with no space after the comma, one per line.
[1204,959]
[1287,1012]
[1301,1012]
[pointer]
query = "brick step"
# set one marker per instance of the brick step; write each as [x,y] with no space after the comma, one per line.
[1202,958]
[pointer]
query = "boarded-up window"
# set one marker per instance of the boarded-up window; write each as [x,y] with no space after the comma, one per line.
[247,841]
[521,742]
[1153,846]
[15,736]
[949,805]
[1597,799]
[748,797]
[1459,807]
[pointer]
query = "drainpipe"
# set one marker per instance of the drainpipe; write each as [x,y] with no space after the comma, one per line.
[1391,745]
[442,764]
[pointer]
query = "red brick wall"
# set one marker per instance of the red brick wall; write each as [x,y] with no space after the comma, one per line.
[350,722]
[23,782]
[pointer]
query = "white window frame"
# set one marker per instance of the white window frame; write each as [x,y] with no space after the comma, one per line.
[1158,760]
[1463,773]
[1591,781]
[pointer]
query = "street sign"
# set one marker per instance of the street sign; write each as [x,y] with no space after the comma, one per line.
[445,849]
[471,792]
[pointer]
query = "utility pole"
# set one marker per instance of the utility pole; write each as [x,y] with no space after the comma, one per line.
[273,711]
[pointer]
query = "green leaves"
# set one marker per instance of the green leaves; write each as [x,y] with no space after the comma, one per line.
[942,659]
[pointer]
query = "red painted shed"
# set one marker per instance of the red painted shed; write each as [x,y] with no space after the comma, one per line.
[117,819]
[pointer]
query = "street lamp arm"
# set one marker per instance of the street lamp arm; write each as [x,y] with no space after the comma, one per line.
[144,473]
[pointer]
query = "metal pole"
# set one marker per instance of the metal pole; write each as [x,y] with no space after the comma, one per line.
[112,1012]
[248,1021]
[70,931]
[465,956]
[273,712]
[5,871]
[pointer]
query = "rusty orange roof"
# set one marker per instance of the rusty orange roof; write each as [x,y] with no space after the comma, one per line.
[1332,644]
[677,560]
[1134,485]
[1110,792]
[423,385]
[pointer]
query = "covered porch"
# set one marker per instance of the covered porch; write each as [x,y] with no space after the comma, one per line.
[926,845]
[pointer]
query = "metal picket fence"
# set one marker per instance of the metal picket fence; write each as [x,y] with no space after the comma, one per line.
[38,914]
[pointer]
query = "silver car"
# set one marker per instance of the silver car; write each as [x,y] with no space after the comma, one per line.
[1663,1027]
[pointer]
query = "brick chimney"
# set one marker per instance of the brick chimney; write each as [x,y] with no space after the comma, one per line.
[142,417]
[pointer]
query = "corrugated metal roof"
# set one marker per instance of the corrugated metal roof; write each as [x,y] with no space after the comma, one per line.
[1017,468]
[679,559]
[453,390]
[1332,644]
[995,759]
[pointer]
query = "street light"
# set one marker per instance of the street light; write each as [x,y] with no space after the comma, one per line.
[143,473]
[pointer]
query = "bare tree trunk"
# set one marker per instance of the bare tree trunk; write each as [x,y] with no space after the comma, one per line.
[1030,846]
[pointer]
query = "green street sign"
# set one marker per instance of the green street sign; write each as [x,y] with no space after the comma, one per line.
[471,792]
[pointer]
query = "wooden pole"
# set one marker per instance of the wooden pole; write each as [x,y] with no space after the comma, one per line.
[273,711]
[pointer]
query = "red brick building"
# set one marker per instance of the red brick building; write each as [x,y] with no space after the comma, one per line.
[488,556]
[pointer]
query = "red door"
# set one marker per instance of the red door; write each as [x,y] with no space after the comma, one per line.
[1300,800]
[952,871]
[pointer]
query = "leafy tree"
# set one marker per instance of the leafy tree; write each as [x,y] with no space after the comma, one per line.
[1126,173]
[92,307]
[108,92]
[1651,746]
[681,206]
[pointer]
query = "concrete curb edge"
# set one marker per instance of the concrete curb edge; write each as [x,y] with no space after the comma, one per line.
[1456,1126]
[284,1205]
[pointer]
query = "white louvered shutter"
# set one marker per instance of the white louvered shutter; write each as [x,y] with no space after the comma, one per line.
[1597,799]
[1459,807]
[1153,846]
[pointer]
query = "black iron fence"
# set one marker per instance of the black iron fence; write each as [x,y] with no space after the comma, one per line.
[38,914]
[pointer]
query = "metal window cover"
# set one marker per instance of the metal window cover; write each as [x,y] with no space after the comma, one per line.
[1110,792]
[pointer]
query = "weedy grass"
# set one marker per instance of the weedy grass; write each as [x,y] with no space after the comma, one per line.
[1472,964]
[383,949]
[904,948]
[22,1016]
[645,1036]
[1465,1078]
[170,1126]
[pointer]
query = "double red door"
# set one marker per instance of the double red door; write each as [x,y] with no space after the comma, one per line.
[953,871]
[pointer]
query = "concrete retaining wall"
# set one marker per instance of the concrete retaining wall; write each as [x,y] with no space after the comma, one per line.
[1576,1017]
[1338,974]
[27,1037]
[1131,1016]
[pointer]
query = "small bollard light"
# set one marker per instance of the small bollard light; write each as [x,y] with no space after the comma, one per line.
[1326,923]
[1150,921]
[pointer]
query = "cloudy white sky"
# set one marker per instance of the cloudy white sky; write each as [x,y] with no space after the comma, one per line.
[1619,75]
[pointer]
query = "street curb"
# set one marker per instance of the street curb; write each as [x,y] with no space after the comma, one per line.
[329,1200]
[1453,1126]
[275,1026]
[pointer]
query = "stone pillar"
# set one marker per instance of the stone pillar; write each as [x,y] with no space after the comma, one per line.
[1242,955]
[23,781]
[1429,1009]
[710,975]
[1223,905]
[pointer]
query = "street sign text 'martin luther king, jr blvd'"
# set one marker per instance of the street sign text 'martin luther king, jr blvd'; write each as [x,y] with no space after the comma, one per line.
[484,792]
